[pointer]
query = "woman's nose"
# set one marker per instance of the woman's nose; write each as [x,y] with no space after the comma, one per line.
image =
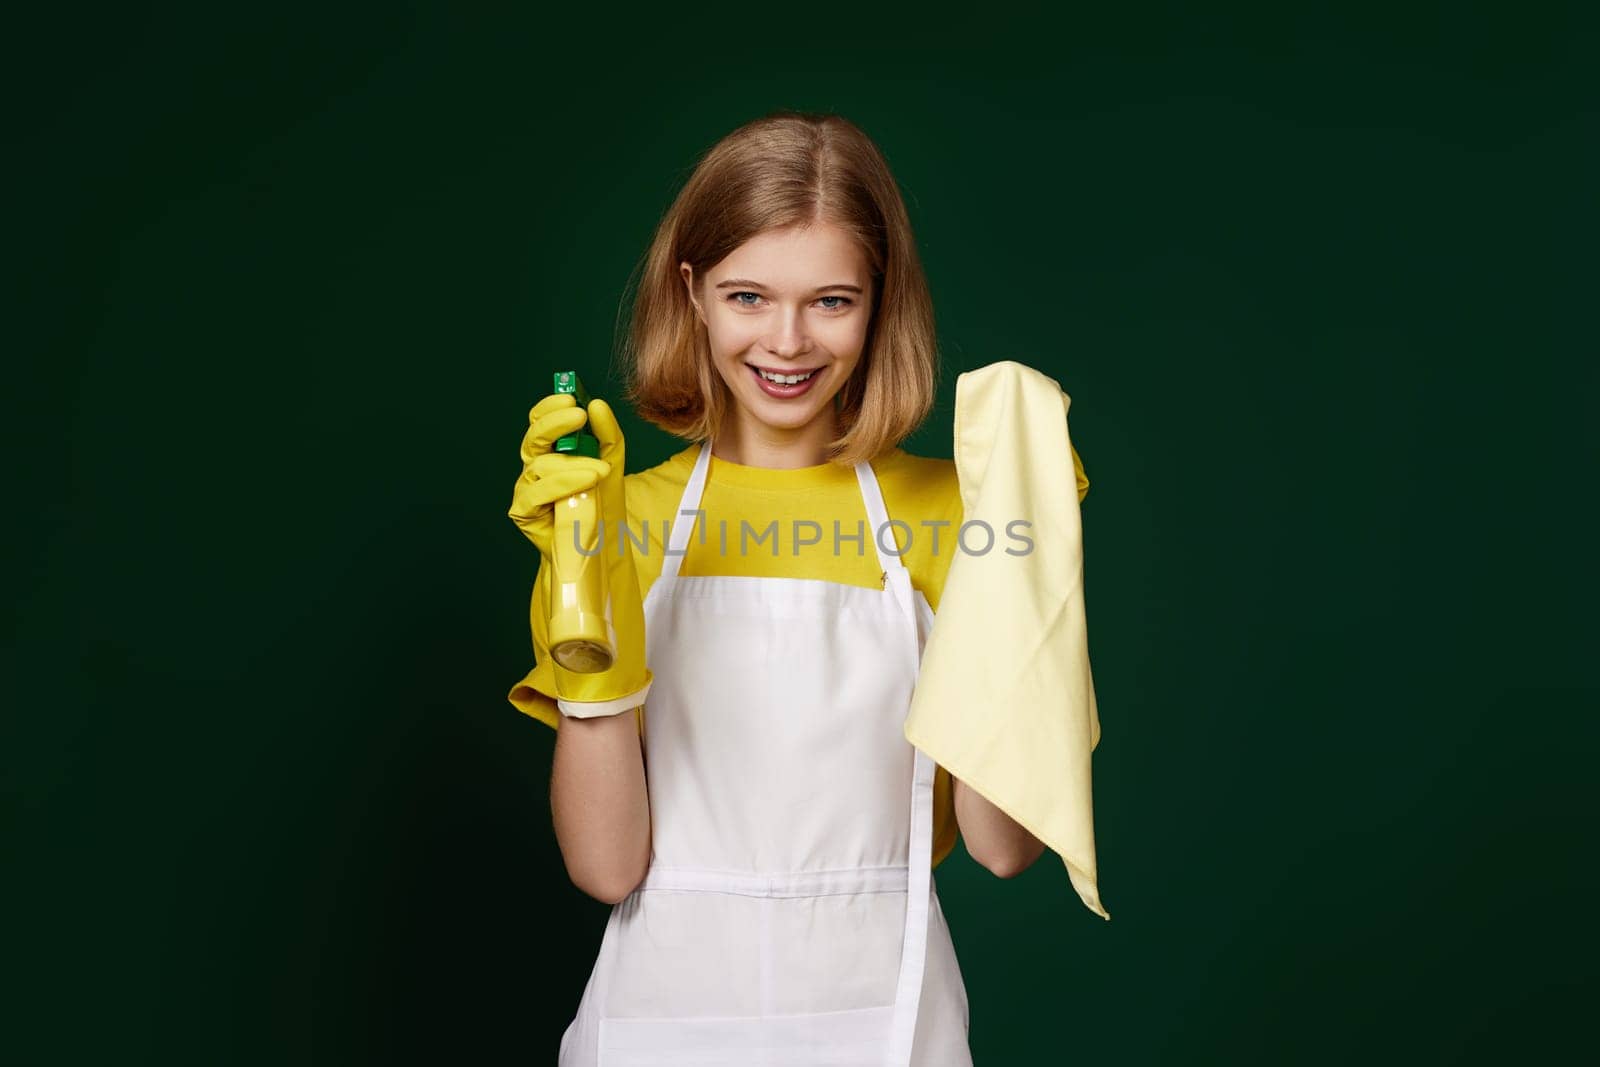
[789,334]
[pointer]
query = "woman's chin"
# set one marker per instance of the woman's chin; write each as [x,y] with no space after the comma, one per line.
[781,414]
[786,423]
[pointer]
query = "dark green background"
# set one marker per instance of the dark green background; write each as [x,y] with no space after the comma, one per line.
[285,283]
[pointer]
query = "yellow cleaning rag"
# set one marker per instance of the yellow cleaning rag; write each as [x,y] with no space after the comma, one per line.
[1005,701]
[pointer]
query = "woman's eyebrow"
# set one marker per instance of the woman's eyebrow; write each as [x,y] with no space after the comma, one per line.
[746,283]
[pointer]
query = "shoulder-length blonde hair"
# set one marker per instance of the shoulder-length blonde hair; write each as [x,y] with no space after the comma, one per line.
[784,169]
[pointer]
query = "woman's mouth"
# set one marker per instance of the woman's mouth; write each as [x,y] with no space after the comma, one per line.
[782,385]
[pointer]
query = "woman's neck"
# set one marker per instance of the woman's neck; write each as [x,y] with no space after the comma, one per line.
[753,444]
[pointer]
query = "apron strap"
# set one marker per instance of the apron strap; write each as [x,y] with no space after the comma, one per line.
[919,858]
[919,891]
[878,527]
[683,521]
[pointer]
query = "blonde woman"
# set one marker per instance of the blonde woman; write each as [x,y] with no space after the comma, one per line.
[737,785]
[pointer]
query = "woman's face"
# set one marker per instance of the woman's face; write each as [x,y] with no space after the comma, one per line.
[791,302]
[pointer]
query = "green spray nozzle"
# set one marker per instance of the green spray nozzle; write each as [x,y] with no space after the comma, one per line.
[582,443]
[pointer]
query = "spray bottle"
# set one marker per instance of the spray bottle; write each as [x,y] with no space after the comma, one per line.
[582,639]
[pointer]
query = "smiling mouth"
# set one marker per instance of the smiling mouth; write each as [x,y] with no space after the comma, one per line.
[785,377]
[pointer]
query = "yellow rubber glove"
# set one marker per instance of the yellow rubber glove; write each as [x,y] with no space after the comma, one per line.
[548,477]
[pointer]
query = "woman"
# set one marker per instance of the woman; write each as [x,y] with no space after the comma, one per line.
[770,874]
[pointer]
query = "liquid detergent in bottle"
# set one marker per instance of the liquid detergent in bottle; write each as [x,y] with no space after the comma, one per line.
[581,636]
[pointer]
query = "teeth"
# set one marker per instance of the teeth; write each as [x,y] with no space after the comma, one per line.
[784,379]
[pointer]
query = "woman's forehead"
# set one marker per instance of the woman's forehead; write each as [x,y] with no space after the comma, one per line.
[797,259]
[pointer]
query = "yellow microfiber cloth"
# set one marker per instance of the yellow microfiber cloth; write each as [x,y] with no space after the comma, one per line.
[1005,701]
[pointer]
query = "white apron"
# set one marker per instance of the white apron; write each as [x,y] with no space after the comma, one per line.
[789,915]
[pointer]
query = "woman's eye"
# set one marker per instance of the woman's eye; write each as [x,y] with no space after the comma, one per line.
[840,302]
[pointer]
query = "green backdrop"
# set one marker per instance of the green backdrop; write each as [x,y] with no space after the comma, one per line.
[1321,286]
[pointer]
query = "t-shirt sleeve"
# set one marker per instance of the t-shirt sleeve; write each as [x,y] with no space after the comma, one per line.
[1077,469]
[936,498]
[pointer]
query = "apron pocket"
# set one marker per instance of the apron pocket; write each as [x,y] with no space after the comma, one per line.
[854,1038]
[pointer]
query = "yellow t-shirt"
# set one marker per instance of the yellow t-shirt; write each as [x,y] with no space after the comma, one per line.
[755,518]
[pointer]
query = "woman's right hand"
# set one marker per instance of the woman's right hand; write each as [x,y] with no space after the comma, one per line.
[549,476]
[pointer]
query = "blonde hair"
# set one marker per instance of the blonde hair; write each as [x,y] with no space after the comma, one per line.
[787,168]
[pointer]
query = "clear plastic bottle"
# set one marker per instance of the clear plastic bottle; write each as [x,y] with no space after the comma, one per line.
[582,639]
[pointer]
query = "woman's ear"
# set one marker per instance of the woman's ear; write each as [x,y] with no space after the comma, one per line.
[688,281]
